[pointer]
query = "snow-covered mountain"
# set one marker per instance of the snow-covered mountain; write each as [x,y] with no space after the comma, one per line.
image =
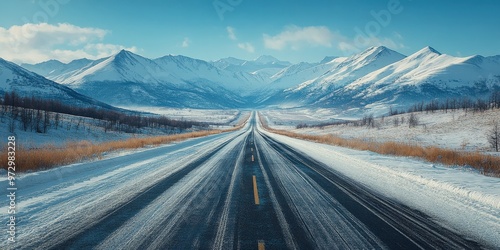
[423,76]
[263,67]
[27,83]
[306,86]
[377,77]
[127,79]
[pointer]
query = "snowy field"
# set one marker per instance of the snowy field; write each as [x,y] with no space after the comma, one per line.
[461,198]
[71,129]
[75,128]
[456,129]
[197,115]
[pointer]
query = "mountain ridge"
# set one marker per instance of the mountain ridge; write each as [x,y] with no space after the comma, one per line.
[14,78]
[267,81]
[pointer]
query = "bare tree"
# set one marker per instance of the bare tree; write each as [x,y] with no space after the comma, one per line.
[413,120]
[12,125]
[396,122]
[495,99]
[56,120]
[38,121]
[46,121]
[26,118]
[494,136]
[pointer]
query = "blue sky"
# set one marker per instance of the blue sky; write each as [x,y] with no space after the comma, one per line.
[38,30]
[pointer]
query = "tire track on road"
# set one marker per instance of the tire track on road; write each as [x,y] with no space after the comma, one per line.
[396,225]
[95,233]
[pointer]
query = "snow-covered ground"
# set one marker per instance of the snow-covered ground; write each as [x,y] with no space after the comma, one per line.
[70,129]
[453,129]
[287,118]
[465,200]
[74,128]
[198,115]
[63,194]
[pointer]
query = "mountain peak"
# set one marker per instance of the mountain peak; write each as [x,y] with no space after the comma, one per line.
[429,50]
[378,50]
[265,59]
[424,53]
[328,59]
[123,52]
[82,60]
[374,54]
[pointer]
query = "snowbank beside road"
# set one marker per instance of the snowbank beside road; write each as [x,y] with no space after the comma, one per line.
[464,200]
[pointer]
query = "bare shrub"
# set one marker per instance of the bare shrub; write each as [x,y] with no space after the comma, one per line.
[494,136]
[413,120]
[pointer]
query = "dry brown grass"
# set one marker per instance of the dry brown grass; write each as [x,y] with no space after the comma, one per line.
[486,164]
[51,156]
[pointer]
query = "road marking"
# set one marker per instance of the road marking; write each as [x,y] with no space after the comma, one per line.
[255,191]
[252,158]
[251,149]
[261,245]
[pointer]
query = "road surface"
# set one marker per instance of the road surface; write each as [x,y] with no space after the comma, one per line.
[238,190]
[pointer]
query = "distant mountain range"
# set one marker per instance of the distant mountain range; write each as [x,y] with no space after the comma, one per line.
[27,83]
[372,80]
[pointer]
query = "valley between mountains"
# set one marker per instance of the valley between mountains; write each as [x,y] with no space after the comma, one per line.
[371,81]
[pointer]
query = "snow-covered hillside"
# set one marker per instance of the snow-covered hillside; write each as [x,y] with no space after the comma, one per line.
[315,82]
[74,129]
[423,76]
[26,83]
[264,63]
[457,129]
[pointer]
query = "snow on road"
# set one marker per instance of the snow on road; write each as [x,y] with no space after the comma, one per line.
[51,202]
[329,223]
[177,203]
[466,201]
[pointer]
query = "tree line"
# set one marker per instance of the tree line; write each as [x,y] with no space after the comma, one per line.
[37,114]
[464,103]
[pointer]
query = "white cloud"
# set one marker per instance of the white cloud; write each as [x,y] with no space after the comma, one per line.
[397,35]
[246,46]
[33,43]
[296,37]
[186,42]
[231,33]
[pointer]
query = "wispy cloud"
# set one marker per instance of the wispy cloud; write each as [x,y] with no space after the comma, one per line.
[65,42]
[186,42]
[231,33]
[295,38]
[246,46]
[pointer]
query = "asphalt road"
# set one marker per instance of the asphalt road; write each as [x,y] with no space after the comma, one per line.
[253,192]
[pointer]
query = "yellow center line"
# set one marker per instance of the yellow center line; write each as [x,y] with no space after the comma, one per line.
[255,191]
[261,245]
